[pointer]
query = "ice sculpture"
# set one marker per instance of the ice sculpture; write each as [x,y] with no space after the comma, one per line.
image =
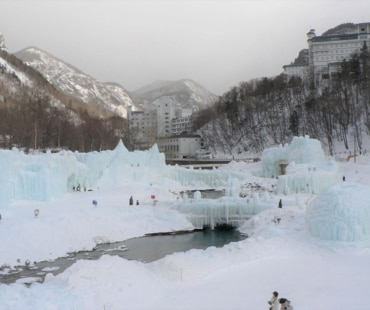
[233,189]
[340,212]
[48,176]
[302,150]
[308,178]
[299,167]
[204,178]
[230,210]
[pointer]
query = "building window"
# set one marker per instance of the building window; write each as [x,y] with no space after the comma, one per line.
[325,76]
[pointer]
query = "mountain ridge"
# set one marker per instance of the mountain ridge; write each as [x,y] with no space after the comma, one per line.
[345,28]
[71,80]
[111,96]
[183,93]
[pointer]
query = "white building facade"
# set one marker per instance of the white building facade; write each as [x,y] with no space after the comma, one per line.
[300,71]
[147,127]
[182,122]
[326,53]
[142,127]
[180,146]
[298,68]
[165,114]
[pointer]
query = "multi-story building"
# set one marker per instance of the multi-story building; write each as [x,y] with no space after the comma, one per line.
[296,70]
[165,114]
[146,127]
[181,122]
[299,67]
[142,127]
[327,52]
[181,146]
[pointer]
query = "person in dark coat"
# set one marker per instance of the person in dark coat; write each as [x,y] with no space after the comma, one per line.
[137,202]
[131,201]
[285,304]
[280,203]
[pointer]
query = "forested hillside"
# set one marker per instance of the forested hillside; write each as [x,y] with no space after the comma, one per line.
[268,111]
[36,115]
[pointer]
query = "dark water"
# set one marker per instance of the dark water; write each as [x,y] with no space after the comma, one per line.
[152,248]
[146,249]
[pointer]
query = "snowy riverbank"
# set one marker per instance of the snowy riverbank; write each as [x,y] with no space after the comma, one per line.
[312,273]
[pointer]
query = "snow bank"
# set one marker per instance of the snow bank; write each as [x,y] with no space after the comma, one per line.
[273,257]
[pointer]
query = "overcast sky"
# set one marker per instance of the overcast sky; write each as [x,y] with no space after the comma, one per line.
[217,43]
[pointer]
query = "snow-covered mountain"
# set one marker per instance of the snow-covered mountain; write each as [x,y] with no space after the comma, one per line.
[346,28]
[20,84]
[12,76]
[2,42]
[185,93]
[110,96]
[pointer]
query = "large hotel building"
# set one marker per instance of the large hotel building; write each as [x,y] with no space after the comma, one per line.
[327,52]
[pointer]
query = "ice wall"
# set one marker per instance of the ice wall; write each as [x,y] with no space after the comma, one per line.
[308,178]
[271,159]
[38,177]
[139,166]
[226,210]
[6,188]
[197,178]
[47,176]
[233,189]
[341,212]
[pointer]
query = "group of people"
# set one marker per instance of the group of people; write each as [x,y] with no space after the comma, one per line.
[274,303]
[78,188]
[131,201]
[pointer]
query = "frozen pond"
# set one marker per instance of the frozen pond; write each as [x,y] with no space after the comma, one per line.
[145,249]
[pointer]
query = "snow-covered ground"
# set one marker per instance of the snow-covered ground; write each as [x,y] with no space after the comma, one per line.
[313,273]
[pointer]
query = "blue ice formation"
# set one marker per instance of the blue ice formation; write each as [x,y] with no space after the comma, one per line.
[341,213]
[230,210]
[47,176]
[302,150]
[306,169]
[51,175]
